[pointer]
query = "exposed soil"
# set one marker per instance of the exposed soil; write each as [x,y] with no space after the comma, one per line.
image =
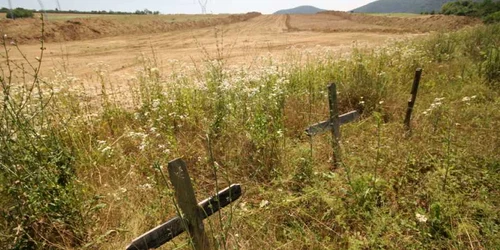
[79,44]
[335,21]
[29,30]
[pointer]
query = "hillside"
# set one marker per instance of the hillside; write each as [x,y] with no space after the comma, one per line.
[300,10]
[84,27]
[402,6]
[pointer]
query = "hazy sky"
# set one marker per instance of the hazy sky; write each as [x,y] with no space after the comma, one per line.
[187,6]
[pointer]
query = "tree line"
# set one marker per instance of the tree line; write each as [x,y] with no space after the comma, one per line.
[27,13]
[488,10]
[17,13]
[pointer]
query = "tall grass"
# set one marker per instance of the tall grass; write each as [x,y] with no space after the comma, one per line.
[79,174]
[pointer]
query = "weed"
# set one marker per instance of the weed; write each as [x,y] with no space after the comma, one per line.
[80,168]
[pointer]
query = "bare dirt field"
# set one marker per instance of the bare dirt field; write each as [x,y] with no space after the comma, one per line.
[79,44]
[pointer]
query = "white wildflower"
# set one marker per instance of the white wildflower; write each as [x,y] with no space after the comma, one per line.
[436,104]
[466,99]
[280,133]
[264,203]
[146,186]
[421,218]
[106,149]
[155,104]
[143,145]
[116,197]
[243,206]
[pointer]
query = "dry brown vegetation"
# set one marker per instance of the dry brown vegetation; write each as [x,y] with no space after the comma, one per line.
[83,170]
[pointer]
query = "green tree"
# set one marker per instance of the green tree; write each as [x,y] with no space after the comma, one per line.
[20,13]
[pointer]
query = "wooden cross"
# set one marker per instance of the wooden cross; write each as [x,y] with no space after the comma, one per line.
[193,213]
[411,102]
[333,124]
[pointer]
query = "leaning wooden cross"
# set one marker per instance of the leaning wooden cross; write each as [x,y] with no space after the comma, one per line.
[333,124]
[193,213]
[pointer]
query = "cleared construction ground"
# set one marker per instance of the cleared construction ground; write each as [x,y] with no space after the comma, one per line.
[78,43]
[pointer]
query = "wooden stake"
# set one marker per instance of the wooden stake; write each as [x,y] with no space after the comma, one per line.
[184,193]
[411,102]
[335,124]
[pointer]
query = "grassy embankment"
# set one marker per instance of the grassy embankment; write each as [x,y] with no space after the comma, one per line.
[83,172]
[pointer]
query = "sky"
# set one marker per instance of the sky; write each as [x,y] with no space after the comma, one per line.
[186,6]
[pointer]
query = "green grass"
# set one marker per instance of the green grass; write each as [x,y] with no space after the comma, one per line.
[80,172]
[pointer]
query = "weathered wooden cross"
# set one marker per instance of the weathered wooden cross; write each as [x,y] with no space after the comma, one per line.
[193,213]
[411,102]
[333,124]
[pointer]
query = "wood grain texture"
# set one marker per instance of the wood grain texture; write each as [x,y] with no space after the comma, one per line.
[335,124]
[186,200]
[411,102]
[325,126]
[174,227]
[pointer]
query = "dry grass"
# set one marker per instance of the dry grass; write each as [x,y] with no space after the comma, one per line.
[435,189]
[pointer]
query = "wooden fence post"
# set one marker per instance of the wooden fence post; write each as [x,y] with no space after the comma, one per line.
[184,193]
[335,124]
[411,102]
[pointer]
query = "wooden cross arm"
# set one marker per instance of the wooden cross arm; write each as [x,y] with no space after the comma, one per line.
[326,125]
[174,227]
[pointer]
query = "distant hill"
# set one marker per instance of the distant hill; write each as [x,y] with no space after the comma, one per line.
[300,10]
[403,6]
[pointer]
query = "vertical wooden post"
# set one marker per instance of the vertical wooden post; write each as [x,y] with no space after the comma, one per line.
[335,124]
[411,102]
[186,200]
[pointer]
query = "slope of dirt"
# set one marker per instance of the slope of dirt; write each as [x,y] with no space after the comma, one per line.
[241,43]
[265,24]
[333,23]
[395,24]
[28,30]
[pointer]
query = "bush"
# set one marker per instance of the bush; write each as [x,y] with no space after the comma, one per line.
[459,8]
[492,66]
[492,18]
[40,198]
[20,13]
[469,8]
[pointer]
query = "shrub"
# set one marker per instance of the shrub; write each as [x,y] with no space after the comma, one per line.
[40,203]
[468,8]
[20,13]
[492,18]
[492,66]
